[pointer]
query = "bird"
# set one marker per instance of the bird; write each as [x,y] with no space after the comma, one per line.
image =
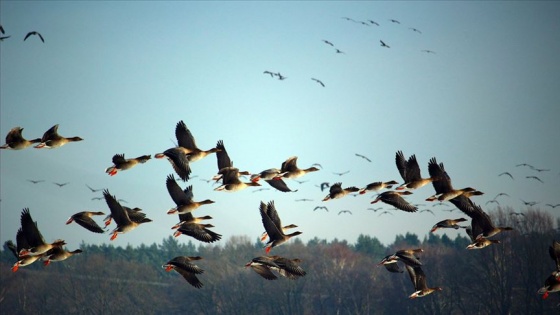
[97,198]
[300,181]
[541,169]
[385,212]
[270,176]
[264,265]
[553,206]
[376,186]
[394,198]
[338,51]
[373,22]
[51,139]
[134,214]
[268,72]
[94,190]
[383,44]
[493,201]
[418,279]
[481,224]
[84,219]
[481,242]
[506,173]
[231,182]
[304,199]
[448,223]
[289,169]
[178,160]
[442,183]
[59,254]
[324,185]
[336,191]
[321,207]
[552,282]
[34,33]
[363,157]
[525,164]
[427,210]
[344,211]
[410,172]
[183,198]
[285,228]
[35,181]
[22,243]
[318,165]
[535,178]
[224,161]
[15,140]
[341,173]
[280,76]
[190,226]
[375,209]
[395,21]
[4,37]
[327,42]
[120,163]
[428,51]
[184,266]
[121,217]
[529,203]
[273,226]
[35,241]
[61,184]
[501,194]
[318,81]
[415,30]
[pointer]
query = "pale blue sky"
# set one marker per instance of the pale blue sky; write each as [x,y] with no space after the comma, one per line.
[122,74]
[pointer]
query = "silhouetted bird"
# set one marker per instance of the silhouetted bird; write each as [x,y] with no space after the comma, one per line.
[34,33]
[383,44]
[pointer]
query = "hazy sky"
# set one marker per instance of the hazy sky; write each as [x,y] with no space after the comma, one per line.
[122,74]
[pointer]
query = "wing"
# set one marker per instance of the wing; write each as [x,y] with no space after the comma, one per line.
[199,232]
[279,184]
[191,278]
[180,163]
[53,132]
[222,156]
[14,135]
[401,164]
[179,196]
[117,211]
[118,159]
[264,271]
[88,223]
[393,268]
[289,165]
[184,137]
[443,182]
[271,228]
[412,169]
[399,202]
[30,229]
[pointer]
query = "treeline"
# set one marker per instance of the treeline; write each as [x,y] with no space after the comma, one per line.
[341,278]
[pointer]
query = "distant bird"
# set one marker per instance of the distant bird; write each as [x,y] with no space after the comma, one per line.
[415,30]
[348,19]
[375,209]
[324,186]
[121,217]
[260,189]
[418,279]
[318,81]
[428,51]
[376,186]
[290,169]
[304,199]
[94,190]
[395,21]
[327,42]
[385,212]
[525,164]
[183,199]
[97,198]
[184,266]
[231,182]
[394,198]
[506,173]
[51,139]
[493,201]
[4,37]
[340,174]
[363,157]
[384,45]
[529,203]
[122,200]
[338,51]
[336,191]
[300,181]
[410,172]
[535,178]
[273,226]
[15,140]
[448,224]
[61,184]
[280,76]
[85,220]
[344,211]
[321,207]
[427,210]
[34,33]
[501,194]
[120,163]
[373,22]
[35,181]
[541,169]
[553,206]
[271,73]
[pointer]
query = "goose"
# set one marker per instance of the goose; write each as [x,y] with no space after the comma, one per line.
[51,139]
[272,225]
[120,163]
[15,140]
[184,266]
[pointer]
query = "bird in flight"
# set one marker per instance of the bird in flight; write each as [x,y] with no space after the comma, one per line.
[34,33]
[4,37]
[525,164]
[271,73]
[375,209]
[321,207]
[324,186]
[338,51]
[395,21]
[327,42]
[427,210]
[93,190]
[428,51]
[385,212]
[35,181]
[304,199]
[61,184]
[506,173]
[344,211]
[363,157]
[415,30]
[318,81]
[535,178]
[340,174]
[553,206]
[383,44]
[281,77]
[541,169]
[373,22]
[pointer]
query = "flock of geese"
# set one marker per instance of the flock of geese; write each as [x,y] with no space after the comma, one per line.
[31,246]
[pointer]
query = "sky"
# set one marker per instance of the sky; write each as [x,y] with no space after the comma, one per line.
[122,74]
